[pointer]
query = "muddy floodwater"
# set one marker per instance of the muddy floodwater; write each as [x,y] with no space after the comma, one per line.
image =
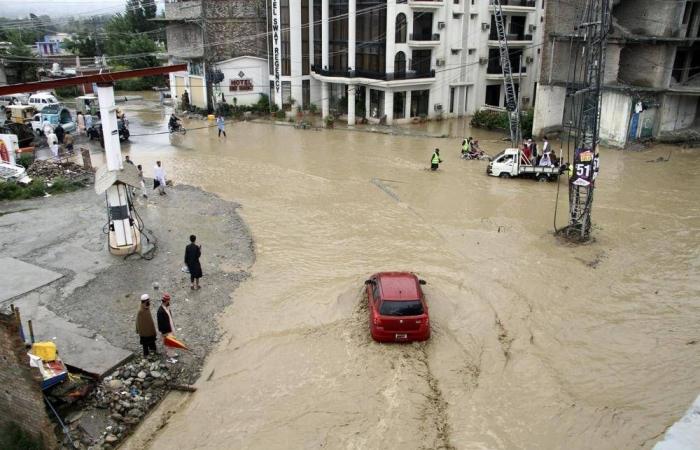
[536,344]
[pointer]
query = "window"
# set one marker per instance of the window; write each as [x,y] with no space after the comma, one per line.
[305,64]
[318,39]
[401,308]
[420,61]
[400,36]
[400,63]
[419,103]
[376,103]
[399,105]
[285,39]
[338,35]
[466,98]
[422,26]
[305,93]
[452,100]
[493,95]
[286,93]
[370,53]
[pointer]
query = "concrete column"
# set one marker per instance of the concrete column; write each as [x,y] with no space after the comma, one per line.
[108,117]
[295,48]
[351,101]
[367,102]
[325,102]
[407,106]
[390,34]
[311,32]
[389,106]
[352,11]
[324,34]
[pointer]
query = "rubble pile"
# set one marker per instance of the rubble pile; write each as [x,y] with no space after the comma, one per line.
[117,404]
[50,170]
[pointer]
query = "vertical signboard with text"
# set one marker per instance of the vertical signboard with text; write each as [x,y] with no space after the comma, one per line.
[276,51]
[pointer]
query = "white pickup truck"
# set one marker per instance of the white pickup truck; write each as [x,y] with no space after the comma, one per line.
[512,163]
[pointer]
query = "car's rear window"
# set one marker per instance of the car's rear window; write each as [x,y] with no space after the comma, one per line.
[401,308]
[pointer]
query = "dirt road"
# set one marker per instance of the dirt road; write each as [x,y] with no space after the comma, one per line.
[536,344]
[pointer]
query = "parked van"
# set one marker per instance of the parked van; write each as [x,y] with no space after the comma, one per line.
[42,99]
[14,99]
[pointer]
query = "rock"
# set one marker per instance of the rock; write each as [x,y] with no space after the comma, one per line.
[74,416]
[110,439]
[76,444]
[155,374]
[116,417]
[158,383]
[136,412]
[141,375]
[115,384]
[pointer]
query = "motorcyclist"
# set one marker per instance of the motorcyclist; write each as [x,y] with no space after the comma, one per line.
[174,123]
[466,147]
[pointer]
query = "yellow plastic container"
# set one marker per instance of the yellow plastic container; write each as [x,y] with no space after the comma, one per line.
[211,117]
[45,350]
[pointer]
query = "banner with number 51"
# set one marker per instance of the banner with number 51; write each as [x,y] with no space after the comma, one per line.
[584,167]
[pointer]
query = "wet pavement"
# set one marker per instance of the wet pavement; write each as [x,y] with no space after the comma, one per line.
[536,343]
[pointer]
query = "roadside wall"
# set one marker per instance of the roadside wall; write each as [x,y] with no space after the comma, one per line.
[21,399]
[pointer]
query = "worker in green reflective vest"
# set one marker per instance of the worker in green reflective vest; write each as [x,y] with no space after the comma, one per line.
[435,160]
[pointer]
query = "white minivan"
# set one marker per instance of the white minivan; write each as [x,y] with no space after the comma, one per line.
[42,99]
[14,99]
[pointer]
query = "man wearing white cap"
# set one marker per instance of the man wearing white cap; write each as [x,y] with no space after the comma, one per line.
[145,327]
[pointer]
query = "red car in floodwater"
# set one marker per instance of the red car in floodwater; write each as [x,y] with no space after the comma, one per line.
[397,308]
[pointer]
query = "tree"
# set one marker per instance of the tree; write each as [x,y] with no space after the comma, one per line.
[20,60]
[81,44]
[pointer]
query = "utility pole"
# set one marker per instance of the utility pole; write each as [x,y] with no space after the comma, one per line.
[584,90]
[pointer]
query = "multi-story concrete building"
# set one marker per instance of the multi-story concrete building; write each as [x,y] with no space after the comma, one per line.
[651,82]
[398,59]
[214,35]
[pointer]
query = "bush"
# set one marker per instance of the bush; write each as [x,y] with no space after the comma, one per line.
[134,84]
[11,190]
[330,121]
[498,120]
[67,92]
[280,114]
[25,160]
[313,109]
[263,105]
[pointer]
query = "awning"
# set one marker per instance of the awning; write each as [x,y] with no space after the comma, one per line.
[105,178]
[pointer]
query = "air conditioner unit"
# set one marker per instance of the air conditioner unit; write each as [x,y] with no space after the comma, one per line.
[441,25]
[483,61]
[440,62]
[529,60]
[438,106]
[532,28]
[485,26]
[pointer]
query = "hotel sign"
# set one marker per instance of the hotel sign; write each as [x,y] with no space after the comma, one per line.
[276,55]
[245,84]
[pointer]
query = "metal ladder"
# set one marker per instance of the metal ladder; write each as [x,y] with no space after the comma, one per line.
[511,97]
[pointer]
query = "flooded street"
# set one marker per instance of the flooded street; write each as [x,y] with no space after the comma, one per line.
[535,344]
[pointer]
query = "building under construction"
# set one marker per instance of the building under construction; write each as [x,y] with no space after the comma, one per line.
[651,82]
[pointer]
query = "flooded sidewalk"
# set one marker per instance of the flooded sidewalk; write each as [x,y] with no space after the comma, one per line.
[536,344]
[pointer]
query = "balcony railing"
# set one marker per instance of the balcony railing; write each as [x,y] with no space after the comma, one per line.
[523,3]
[424,37]
[512,37]
[382,76]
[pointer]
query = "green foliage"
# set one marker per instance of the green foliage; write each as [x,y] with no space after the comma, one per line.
[37,188]
[82,44]
[490,119]
[67,91]
[25,160]
[20,57]
[274,108]
[313,109]
[498,120]
[12,437]
[330,121]
[280,114]
[263,104]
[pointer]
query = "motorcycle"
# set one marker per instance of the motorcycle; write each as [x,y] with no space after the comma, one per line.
[176,128]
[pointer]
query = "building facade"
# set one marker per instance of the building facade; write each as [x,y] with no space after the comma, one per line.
[211,36]
[652,72]
[395,60]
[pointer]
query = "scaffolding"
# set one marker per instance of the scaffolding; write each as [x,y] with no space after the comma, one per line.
[511,96]
[584,90]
